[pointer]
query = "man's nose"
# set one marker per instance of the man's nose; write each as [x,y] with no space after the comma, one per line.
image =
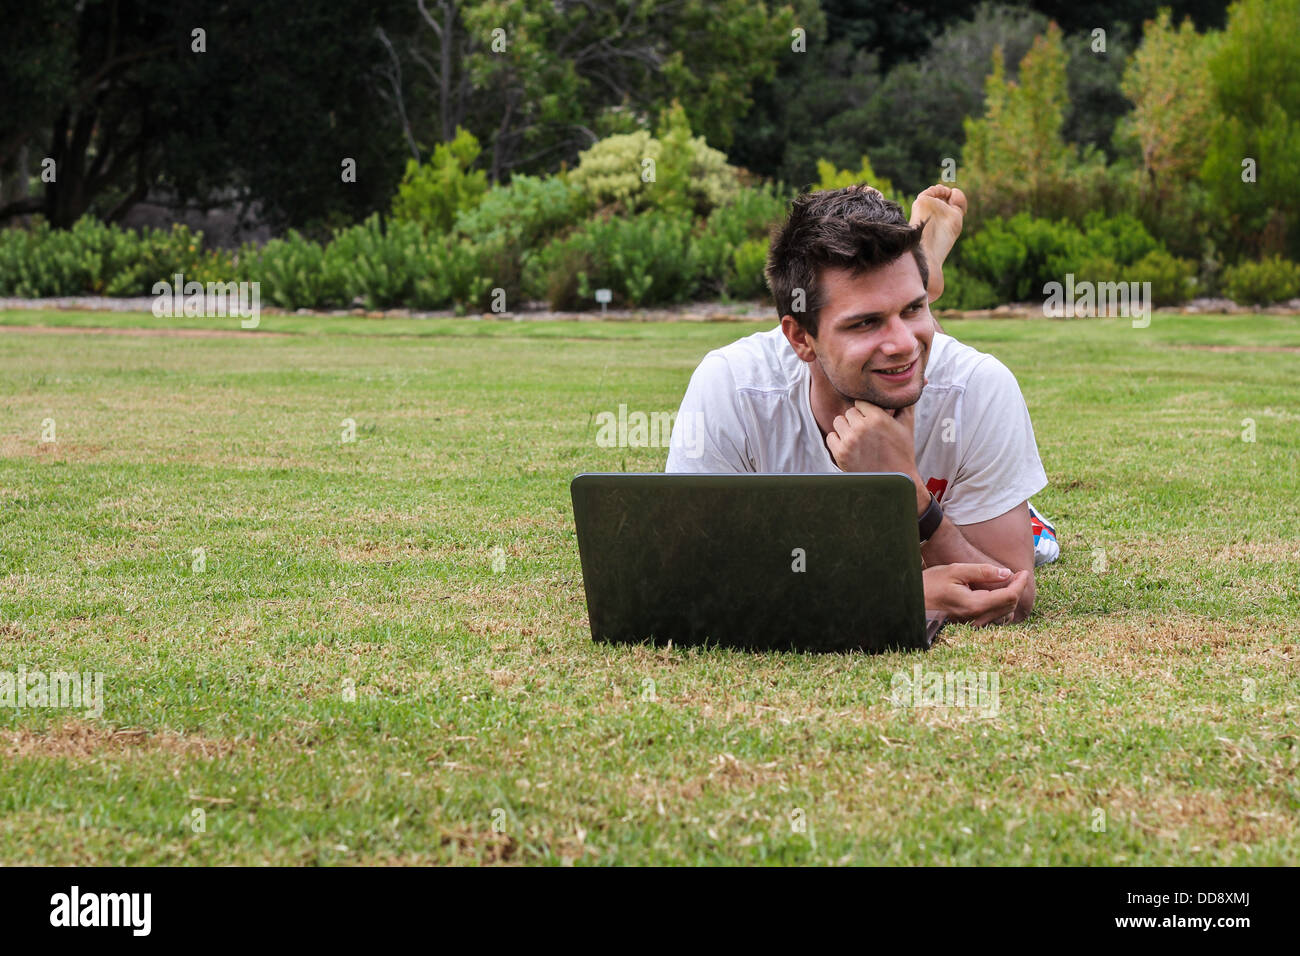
[899,339]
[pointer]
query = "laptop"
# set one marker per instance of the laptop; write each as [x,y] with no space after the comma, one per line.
[817,562]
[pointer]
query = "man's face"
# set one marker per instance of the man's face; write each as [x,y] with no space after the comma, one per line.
[873,322]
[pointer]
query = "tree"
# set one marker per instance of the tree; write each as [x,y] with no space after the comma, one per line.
[125,97]
[1015,157]
[915,121]
[1168,82]
[834,102]
[531,78]
[433,193]
[86,79]
[1253,161]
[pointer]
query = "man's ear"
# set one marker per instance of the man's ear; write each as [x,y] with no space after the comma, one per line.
[800,340]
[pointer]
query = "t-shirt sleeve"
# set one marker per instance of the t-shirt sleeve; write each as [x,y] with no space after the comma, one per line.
[998,464]
[709,433]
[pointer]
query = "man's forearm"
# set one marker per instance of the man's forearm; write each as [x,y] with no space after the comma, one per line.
[949,546]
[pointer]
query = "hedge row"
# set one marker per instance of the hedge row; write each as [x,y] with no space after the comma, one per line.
[537,240]
[1012,260]
[531,243]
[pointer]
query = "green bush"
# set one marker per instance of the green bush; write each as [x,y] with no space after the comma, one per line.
[294,276]
[217,265]
[749,215]
[996,255]
[433,194]
[93,258]
[828,177]
[1122,237]
[511,223]
[17,250]
[526,211]
[1018,256]
[643,260]
[1098,268]
[461,274]
[747,261]
[1171,279]
[1258,283]
[688,174]
[159,255]
[376,264]
[964,291]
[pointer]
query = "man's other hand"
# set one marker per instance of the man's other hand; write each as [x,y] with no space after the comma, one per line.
[977,594]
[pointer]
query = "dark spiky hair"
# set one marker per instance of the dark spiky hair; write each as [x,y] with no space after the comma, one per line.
[852,228]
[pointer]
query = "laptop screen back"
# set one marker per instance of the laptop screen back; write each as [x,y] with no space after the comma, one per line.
[800,562]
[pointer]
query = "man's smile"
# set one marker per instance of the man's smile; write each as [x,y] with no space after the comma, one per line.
[897,373]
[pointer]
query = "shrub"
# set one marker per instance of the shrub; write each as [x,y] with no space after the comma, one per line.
[1097,268]
[459,273]
[643,260]
[512,222]
[94,258]
[1171,279]
[1258,283]
[89,257]
[158,255]
[526,211]
[610,171]
[223,265]
[687,172]
[749,215]
[432,194]
[378,265]
[828,177]
[747,261]
[964,291]
[1123,237]
[16,252]
[995,255]
[1018,256]
[294,276]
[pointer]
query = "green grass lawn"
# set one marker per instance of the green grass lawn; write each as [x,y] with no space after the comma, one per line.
[348,680]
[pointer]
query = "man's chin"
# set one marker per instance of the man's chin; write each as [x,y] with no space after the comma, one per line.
[891,401]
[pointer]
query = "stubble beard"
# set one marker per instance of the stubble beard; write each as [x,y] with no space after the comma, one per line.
[869,394]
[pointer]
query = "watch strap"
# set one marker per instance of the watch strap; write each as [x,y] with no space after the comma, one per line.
[930,519]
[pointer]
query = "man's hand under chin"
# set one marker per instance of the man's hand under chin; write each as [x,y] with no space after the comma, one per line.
[870,438]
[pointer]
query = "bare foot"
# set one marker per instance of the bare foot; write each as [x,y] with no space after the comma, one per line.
[942,209]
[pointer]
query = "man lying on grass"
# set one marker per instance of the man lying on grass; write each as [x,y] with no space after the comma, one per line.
[859,377]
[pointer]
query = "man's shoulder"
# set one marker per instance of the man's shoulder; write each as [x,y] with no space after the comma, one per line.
[956,365]
[763,361]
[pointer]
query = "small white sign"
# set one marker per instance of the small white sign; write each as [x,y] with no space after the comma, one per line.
[604,295]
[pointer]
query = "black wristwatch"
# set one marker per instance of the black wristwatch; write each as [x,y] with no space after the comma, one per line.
[929,522]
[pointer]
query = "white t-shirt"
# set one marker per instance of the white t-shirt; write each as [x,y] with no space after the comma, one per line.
[748,408]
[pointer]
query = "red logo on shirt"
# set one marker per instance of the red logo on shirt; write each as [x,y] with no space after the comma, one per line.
[936,487]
